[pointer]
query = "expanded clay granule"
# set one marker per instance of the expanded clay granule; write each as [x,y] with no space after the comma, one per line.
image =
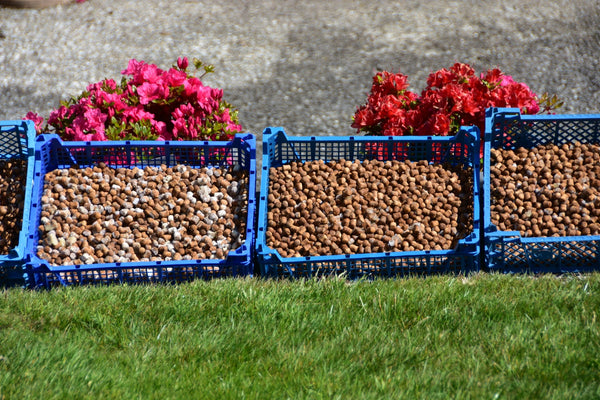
[345,207]
[105,215]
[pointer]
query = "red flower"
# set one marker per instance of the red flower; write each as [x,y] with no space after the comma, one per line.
[453,97]
[462,71]
[435,124]
[492,76]
[364,117]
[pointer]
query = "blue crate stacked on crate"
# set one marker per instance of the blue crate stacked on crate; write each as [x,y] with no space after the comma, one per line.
[509,251]
[461,150]
[17,142]
[52,153]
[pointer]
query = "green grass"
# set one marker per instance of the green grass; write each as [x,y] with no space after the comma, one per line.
[482,337]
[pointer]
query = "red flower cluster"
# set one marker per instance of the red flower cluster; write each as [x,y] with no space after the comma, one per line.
[454,97]
[152,104]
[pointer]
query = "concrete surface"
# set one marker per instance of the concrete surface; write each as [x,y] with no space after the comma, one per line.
[303,65]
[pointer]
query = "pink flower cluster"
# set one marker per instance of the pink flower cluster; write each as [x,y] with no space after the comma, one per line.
[151,104]
[453,97]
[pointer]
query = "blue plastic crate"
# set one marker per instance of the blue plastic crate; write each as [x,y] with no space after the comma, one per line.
[279,149]
[53,153]
[17,141]
[508,251]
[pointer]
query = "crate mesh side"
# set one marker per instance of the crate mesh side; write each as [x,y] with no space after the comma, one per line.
[545,256]
[528,132]
[140,155]
[13,140]
[136,275]
[456,152]
[388,266]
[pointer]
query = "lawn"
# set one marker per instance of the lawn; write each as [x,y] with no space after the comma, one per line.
[485,336]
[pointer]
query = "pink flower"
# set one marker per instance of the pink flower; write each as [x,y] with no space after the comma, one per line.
[133,67]
[152,103]
[183,110]
[149,92]
[98,137]
[111,102]
[185,121]
[160,128]
[38,121]
[94,119]
[182,63]
[151,73]
[76,131]
[102,86]
[57,116]
[135,114]
[175,78]
[191,86]
[179,127]
[532,108]
[233,127]
[206,97]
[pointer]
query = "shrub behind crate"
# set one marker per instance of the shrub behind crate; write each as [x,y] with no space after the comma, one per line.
[53,153]
[460,150]
[509,251]
[17,143]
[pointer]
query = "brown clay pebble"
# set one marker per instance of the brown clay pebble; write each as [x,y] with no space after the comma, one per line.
[344,207]
[12,198]
[547,190]
[145,214]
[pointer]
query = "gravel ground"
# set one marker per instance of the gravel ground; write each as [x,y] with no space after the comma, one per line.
[306,65]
